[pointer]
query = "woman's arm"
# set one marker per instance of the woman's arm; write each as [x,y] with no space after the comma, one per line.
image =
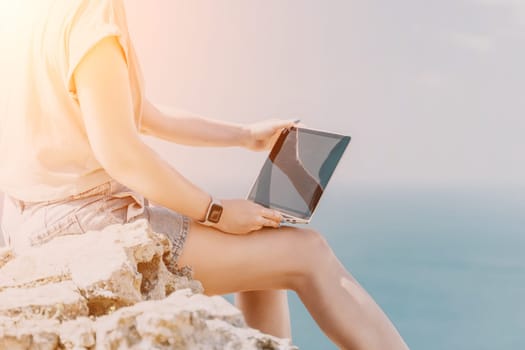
[195,130]
[104,95]
[191,129]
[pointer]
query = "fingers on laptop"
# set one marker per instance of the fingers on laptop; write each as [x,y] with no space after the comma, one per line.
[272,215]
[268,222]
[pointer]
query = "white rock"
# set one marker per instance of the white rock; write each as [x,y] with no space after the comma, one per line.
[114,289]
[56,300]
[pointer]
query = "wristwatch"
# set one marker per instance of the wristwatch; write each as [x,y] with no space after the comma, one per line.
[213,214]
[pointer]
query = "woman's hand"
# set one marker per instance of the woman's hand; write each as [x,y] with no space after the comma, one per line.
[262,135]
[241,216]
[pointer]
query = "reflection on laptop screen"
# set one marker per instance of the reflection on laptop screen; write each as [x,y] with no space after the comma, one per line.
[297,170]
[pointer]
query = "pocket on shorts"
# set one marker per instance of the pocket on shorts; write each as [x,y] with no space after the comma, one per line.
[119,206]
[125,204]
[58,221]
[95,215]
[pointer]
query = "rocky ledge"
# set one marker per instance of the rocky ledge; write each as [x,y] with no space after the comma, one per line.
[114,289]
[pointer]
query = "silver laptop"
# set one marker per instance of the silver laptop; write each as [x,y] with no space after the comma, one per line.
[296,172]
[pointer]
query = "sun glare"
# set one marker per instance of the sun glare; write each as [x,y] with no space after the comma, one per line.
[13,11]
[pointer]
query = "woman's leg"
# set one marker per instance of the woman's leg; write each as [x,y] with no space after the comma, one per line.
[296,259]
[266,310]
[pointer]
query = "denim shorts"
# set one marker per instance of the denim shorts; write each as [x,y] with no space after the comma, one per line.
[27,224]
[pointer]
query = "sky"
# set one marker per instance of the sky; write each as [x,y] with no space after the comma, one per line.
[429,91]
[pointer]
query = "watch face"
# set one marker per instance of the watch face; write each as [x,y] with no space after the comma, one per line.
[215,213]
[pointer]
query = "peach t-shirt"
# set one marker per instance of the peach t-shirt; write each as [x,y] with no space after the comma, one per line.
[44,149]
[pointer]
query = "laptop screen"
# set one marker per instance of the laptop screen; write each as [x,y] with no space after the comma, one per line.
[297,170]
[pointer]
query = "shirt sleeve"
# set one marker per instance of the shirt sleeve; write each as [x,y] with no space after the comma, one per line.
[93,21]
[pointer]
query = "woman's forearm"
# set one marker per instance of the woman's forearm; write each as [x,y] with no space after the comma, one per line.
[191,129]
[143,170]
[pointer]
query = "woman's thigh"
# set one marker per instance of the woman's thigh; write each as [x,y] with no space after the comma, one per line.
[270,258]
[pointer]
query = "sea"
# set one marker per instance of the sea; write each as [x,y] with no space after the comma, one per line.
[446,264]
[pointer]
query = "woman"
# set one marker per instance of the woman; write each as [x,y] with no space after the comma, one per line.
[72,111]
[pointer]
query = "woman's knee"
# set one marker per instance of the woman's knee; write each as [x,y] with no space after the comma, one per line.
[312,251]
